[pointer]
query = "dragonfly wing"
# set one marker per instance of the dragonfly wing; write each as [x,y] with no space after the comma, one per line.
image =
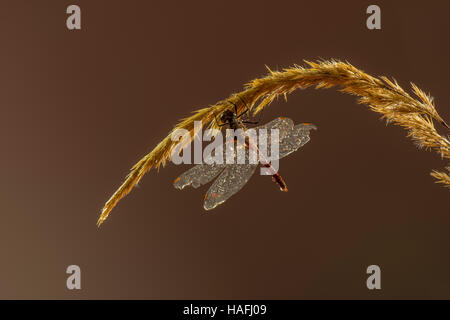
[198,175]
[283,124]
[230,181]
[295,139]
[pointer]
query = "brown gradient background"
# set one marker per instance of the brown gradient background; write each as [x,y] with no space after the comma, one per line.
[79,108]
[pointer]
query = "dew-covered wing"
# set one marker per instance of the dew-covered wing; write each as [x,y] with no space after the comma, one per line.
[230,181]
[198,175]
[283,124]
[295,139]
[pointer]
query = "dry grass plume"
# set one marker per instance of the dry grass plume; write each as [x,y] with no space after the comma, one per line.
[415,114]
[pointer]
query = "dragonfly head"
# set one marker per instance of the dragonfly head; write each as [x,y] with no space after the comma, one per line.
[227,116]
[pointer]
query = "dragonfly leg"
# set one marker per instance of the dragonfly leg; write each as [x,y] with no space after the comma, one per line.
[248,113]
[246,108]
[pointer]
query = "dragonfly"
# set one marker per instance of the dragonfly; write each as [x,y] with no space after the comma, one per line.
[230,178]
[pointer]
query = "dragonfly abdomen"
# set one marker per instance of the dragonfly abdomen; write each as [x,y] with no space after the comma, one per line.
[277,178]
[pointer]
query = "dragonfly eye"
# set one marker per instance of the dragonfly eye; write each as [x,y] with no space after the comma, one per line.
[227,116]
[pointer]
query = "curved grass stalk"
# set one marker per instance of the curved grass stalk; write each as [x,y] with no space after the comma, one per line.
[382,95]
